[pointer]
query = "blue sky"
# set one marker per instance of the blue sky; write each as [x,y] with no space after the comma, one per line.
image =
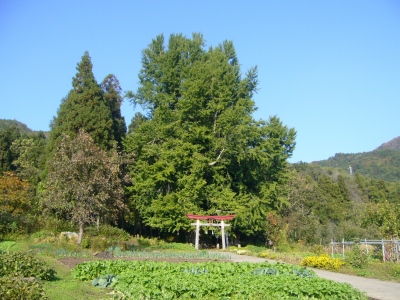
[330,69]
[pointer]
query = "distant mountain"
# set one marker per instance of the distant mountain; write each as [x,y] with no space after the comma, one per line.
[4,124]
[23,129]
[381,163]
[393,144]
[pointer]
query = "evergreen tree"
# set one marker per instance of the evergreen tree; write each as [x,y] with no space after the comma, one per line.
[84,108]
[344,191]
[7,137]
[199,150]
[112,95]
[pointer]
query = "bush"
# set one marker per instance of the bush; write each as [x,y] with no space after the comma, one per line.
[21,288]
[24,265]
[317,249]
[357,258]
[323,262]
[100,243]
[108,231]
[99,239]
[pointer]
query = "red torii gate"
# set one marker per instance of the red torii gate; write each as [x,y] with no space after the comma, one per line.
[222,224]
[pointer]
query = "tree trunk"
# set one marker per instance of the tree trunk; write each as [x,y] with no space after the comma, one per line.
[80,235]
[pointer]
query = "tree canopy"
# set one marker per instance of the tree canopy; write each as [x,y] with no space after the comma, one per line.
[198,149]
[84,182]
[91,107]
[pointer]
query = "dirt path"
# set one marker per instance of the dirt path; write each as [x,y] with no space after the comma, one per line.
[375,289]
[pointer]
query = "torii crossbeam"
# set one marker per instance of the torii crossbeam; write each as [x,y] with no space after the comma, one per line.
[222,224]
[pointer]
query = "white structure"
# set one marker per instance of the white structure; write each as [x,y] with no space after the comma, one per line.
[210,220]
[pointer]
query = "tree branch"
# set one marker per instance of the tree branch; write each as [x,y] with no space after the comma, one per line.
[218,158]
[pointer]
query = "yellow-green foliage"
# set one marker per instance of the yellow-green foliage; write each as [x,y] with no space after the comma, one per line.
[323,262]
[21,288]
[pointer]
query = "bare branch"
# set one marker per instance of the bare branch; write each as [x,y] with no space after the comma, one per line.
[218,158]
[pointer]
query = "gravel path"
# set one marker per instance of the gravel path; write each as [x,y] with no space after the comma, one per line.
[375,289]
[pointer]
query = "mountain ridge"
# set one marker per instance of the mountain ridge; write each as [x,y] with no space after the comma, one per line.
[382,163]
[23,128]
[392,144]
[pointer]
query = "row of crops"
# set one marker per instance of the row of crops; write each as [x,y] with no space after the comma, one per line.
[212,280]
[116,251]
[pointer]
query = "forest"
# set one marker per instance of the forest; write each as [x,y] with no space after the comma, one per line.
[194,148]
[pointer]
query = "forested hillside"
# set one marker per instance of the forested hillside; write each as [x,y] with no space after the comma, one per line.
[382,163]
[393,144]
[6,124]
[329,203]
[195,149]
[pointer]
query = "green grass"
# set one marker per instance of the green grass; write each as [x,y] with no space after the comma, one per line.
[65,287]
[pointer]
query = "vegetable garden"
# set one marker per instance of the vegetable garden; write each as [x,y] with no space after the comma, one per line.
[212,280]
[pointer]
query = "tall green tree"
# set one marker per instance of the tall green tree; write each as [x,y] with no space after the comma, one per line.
[112,95]
[84,108]
[7,136]
[84,182]
[199,150]
[29,157]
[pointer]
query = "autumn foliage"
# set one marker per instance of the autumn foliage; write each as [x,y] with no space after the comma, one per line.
[14,200]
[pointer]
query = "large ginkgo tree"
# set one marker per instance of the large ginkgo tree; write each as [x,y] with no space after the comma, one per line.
[197,147]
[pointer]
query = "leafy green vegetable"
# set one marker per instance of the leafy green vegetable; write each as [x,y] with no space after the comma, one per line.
[215,280]
[104,281]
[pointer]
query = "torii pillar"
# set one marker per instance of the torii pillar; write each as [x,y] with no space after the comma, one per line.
[222,224]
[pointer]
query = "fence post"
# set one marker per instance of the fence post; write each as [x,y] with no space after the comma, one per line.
[383,251]
[343,248]
[366,245]
[332,246]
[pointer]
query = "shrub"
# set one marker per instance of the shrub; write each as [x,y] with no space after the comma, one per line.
[357,258]
[99,239]
[99,243]
[317,249]
[24,265]
[395,270]
[323,262]
[21,288]
[108,231]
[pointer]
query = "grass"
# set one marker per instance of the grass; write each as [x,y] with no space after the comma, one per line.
[65,287]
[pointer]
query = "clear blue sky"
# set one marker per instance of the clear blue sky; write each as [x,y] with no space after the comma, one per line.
[330,69]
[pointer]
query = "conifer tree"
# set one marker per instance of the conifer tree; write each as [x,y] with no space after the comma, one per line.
[112,95]
[84,108]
